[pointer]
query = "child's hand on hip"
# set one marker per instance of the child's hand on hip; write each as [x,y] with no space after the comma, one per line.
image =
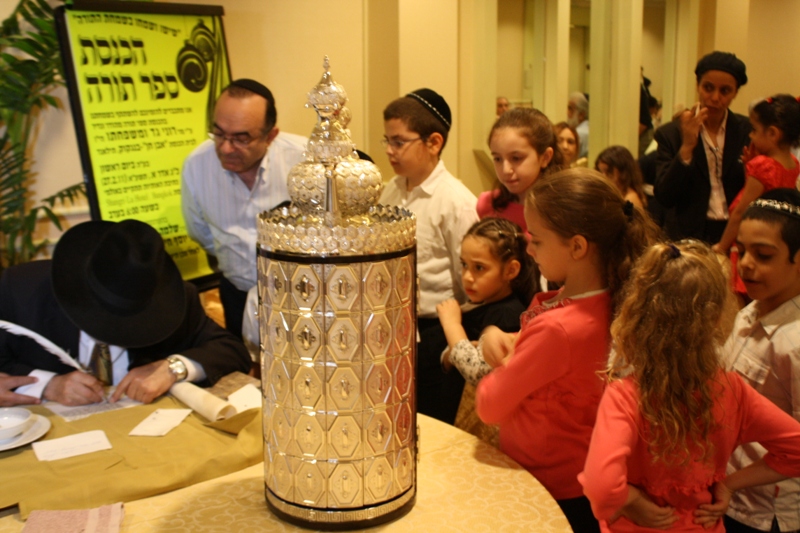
[708,514]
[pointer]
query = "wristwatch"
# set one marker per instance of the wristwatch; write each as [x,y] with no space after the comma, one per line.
[177,368]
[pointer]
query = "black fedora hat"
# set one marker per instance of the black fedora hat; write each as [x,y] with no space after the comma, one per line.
[116,282]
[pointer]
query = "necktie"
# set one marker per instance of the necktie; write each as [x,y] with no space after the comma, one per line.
[100,364]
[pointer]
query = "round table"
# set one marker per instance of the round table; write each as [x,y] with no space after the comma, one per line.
[463,484]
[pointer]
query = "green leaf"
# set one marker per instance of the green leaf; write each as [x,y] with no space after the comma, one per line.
[35,11]
[30,67]
[70,194]
[30,47]
[50,100]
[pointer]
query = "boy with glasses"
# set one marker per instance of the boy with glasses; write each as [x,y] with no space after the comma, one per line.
[230,179]
[416,128]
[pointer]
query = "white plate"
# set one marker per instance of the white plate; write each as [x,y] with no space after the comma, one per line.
[40,426]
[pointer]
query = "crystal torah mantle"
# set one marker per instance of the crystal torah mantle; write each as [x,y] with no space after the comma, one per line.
[337,289]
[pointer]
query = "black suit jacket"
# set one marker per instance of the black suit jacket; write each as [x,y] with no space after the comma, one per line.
[684,190]
[27,299]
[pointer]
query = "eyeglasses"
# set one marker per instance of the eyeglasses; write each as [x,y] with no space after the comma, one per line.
[240,141]
[397,144]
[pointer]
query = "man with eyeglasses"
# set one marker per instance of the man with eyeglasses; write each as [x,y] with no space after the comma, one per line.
[231,178]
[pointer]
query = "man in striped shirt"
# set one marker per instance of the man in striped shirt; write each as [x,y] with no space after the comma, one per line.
[228,180]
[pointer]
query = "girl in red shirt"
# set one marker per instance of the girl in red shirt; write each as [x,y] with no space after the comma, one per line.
[665,431]
[769,164]
[545,394]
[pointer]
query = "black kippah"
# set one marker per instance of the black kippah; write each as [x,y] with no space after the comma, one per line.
[724,61]
[434,103]
[254,87]
[365,156]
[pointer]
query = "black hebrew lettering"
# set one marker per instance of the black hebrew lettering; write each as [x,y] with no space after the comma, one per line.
[127,80]
[170,78]
[106,80]
[112,50]
[131,57]
[84,44]
[102,44]
[93,80]
[138,43]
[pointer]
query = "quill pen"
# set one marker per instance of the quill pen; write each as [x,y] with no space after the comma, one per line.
[43,342]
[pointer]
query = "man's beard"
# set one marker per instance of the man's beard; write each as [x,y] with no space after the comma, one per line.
[573,121]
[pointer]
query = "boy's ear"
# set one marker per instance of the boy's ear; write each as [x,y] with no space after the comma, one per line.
[435,142]
[578,246]
[512,269]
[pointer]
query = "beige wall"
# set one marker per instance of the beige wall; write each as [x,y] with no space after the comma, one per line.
[653,47]
[382,48]
[772,51]
[282,44]
[579,49]
[510,38]
[382,76]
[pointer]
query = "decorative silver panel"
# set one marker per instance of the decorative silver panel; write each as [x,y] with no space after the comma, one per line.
[337,318]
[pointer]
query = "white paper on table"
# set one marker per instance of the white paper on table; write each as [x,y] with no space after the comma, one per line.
[82,411]
[79,444]
[212,408]
[245,398]
[202,401]
[160,422]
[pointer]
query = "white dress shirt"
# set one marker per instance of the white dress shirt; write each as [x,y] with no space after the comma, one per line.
[717,204]
[220,211]
[445,210]
[766,353]
[583,134]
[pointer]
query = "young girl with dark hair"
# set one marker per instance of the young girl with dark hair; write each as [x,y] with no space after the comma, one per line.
[617,164]
[524,146]
[769,163]
[499,279]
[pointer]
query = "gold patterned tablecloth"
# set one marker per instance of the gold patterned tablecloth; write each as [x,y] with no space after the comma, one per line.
[134,468]
[463,485]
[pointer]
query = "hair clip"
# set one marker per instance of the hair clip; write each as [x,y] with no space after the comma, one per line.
[627,208]
[769,100]
[784,208]
[798,98]
[674,252]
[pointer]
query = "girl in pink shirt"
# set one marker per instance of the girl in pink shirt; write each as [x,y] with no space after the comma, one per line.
[664,432]
[545,395]
[524,146]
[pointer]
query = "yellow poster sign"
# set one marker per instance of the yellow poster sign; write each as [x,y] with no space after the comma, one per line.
[143,87]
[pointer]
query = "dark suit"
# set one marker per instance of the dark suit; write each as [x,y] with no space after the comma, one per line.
[27,299]
[684,190]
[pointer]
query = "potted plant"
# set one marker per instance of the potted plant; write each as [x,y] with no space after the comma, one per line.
[30,68]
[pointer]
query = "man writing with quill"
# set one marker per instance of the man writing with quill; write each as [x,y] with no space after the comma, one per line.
[109,309]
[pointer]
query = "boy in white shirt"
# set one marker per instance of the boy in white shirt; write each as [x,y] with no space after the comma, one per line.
[416,128]
[764,348]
